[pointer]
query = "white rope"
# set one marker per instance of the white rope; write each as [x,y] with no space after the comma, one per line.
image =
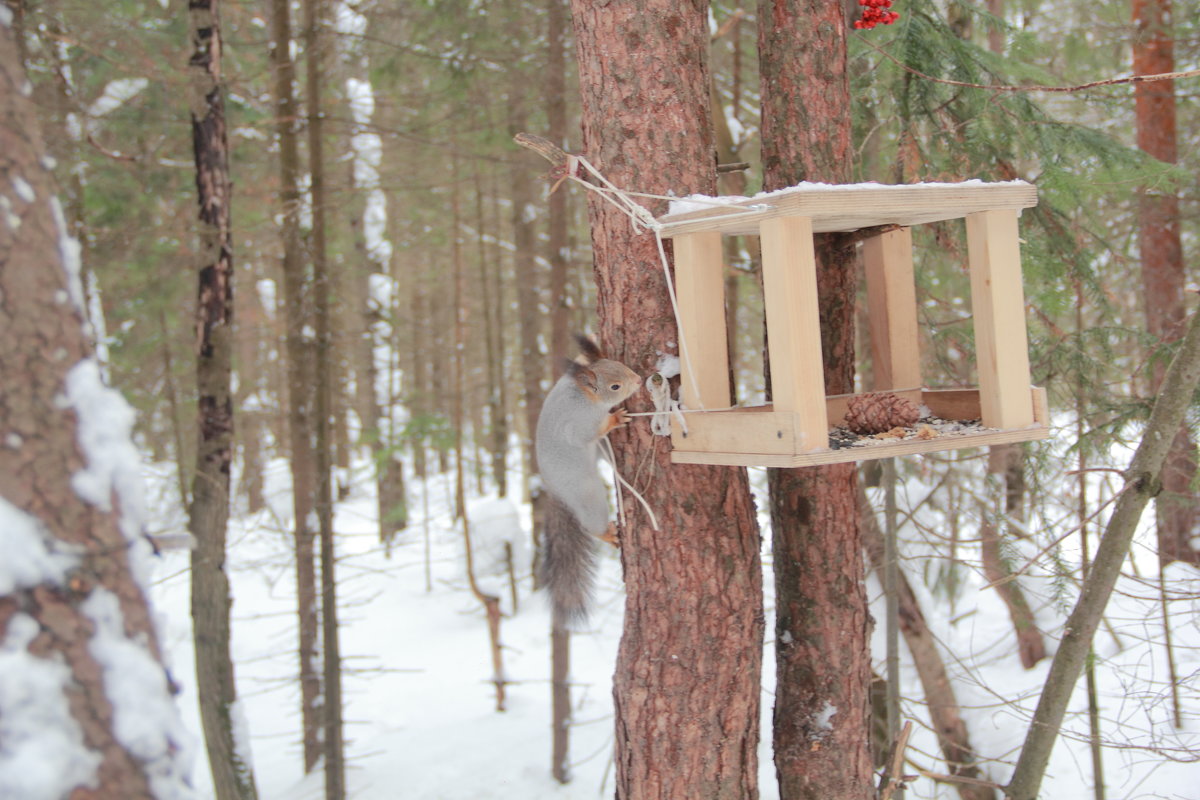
[643,221]
[664,406]
[641,217]
[610,456]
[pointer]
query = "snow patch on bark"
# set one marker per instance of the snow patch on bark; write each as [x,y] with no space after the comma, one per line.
[31,555]
[69,251]
[43,755]
[145,719]
[104,433]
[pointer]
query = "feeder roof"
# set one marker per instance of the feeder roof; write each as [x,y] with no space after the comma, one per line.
[846,207]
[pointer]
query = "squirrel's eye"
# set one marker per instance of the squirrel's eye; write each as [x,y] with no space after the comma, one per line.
[615,386]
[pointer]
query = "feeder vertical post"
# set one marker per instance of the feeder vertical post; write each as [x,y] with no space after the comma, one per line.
[998,302]
[789,266]
[700,292]
[892,310]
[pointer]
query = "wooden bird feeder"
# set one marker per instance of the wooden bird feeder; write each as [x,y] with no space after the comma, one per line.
[794,430]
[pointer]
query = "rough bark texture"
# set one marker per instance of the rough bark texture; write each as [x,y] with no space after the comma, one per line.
[944,710]
[688,669]
[1142,483]
[1162,260]
[41,340]
[822,652]
[299,379]
[233,779]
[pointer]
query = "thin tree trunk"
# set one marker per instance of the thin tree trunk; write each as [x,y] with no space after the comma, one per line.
[65,488]
[333,750]
[1030,646]
[528,282]
[233,776]
[689,665]
[299,380]
[1162,262]
[1142,482]
[944,710]
[557,244]
[491,603]
[1095,744]
[822,652]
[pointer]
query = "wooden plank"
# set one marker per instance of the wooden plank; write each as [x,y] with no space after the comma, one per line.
[853,206]
[998,302]
[868,453]
[758,430]
[789,268]
[892,310]
[700,291]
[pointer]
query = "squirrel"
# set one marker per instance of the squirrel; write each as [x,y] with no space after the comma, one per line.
[575,416]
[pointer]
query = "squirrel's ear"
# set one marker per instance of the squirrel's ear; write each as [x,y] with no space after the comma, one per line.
[583,376]
[591,351]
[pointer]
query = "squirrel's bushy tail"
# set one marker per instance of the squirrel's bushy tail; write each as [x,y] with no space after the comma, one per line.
[568,569]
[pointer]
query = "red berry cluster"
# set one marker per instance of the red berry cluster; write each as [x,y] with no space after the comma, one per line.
[875,12]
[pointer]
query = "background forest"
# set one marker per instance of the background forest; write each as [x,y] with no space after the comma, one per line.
[402,270]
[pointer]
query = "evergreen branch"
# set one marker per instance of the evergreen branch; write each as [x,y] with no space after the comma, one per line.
[1162,76]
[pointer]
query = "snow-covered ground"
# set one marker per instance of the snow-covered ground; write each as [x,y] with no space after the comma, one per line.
[420,705]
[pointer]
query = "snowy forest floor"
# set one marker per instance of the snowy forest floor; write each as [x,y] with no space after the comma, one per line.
[420,705]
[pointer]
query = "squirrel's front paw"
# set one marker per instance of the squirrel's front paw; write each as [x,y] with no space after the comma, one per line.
[618,418]
[610,536]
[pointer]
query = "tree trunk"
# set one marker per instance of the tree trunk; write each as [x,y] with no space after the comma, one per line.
[528,288]
[299,379]
[689,665]
[557,245]
[1142,482]
[330,704]
[69,484]
[558,222]
[944,710]
[1162,261]
[822,652]
[233,776]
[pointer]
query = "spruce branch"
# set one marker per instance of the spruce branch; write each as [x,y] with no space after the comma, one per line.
[1142,482]
[1163,76]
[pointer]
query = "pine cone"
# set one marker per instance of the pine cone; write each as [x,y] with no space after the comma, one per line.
[878,412]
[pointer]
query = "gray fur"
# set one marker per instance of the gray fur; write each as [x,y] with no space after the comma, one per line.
[568,568]
[574,414]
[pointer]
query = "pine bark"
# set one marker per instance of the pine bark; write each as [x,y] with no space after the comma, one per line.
[689,665]
[1162,261]
[822,652]
[41,341]
[299,379]
[233,777]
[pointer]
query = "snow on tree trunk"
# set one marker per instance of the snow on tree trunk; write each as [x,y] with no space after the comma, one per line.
[301,426]
[86,708]
[688,669]
[822,650]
